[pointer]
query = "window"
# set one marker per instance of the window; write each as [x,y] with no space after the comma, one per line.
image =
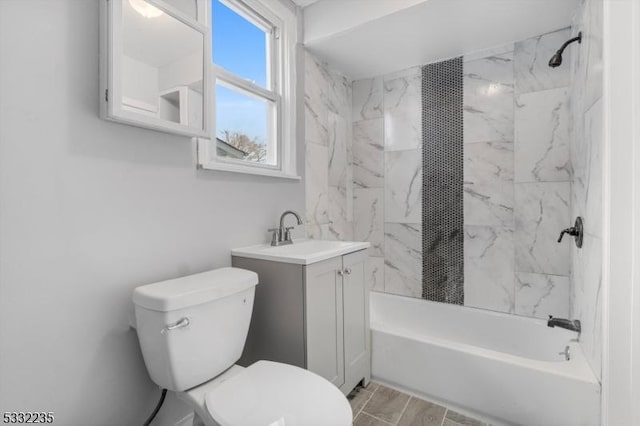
[252,68]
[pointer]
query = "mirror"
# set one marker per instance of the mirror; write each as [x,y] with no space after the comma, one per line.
[156,75]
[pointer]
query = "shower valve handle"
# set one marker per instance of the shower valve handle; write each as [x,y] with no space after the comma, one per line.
[571,231]
[576,231]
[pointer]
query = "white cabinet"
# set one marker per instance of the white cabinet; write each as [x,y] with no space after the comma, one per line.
[355,295]
[324,319]
[154,66]
[314,316]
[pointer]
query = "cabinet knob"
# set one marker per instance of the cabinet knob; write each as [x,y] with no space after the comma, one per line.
[340,272]
[347,271]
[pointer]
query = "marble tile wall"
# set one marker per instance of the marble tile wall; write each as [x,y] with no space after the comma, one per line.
[488,112]
[542,178]
[369,173]
[586,195]
[347,157]
[488,98]
[489,267]
[532,163]
[329,158]
[387,178]
[402,115]
[517,178]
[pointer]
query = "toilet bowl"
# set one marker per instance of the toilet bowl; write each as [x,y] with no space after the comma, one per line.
[192,331]
[269,393]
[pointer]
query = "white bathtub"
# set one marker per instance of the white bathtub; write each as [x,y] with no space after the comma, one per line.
[503,368]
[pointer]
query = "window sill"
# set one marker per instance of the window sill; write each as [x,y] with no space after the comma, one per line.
[249,170]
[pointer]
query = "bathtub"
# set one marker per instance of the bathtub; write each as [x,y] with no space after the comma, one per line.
[502,368]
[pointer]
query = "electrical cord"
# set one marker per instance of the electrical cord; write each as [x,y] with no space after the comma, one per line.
[155,411]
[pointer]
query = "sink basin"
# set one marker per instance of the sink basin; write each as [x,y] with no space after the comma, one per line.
[301,252]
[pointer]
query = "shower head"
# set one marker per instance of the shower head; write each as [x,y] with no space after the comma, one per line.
[556,59]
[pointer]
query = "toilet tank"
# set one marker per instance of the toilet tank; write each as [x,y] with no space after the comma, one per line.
[193,328]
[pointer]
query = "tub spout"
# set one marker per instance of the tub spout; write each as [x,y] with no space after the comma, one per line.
[573,325]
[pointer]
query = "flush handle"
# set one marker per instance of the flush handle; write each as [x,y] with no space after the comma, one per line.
[181,323]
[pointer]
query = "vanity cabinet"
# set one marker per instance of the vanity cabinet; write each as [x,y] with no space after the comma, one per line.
[314,316]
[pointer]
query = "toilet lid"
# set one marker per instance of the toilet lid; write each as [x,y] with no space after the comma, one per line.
[274,394]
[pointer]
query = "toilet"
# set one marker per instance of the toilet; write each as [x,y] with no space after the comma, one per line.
[193,329]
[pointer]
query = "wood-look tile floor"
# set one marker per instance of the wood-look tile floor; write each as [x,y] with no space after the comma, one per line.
[378,405]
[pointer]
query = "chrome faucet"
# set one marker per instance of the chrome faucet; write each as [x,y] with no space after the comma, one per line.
[573,325]
[282,235]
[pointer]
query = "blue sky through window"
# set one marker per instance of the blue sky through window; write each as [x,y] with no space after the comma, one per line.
[239,47]
[237,112]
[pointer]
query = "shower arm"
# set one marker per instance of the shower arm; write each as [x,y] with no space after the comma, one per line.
[577,38]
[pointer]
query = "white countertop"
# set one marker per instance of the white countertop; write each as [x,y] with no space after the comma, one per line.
[302,251]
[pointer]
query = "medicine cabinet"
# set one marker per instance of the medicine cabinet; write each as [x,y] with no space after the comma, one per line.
[154,57]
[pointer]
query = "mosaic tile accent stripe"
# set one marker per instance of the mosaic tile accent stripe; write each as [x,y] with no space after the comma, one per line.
[442,193]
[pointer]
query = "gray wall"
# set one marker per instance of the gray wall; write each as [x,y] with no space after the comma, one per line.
[88,211]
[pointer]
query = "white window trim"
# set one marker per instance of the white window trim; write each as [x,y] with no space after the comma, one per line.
[285,85]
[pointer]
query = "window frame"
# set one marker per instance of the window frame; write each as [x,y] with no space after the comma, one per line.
[280,24]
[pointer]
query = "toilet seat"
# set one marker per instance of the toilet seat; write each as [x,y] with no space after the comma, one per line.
[274,394]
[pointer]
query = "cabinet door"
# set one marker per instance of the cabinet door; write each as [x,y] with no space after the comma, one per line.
[357,358]
[324,333]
